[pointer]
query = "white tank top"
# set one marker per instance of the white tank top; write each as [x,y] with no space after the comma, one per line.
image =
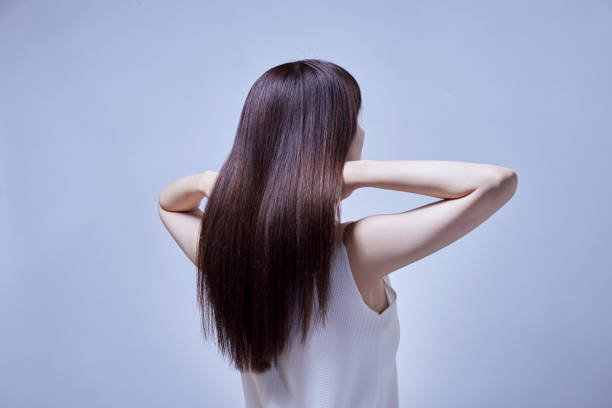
[350,362]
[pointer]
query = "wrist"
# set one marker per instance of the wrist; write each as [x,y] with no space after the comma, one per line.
[354,171]
[203,183]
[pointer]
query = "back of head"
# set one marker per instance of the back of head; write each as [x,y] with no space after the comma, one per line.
[272,219]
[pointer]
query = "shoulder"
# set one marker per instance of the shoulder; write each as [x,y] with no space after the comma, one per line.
[345,227]
[370,286]
[355,257]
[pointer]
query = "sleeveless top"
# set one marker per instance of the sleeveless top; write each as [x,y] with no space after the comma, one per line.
[349,362]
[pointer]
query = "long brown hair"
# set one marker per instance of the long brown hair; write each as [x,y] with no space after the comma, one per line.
[272,220]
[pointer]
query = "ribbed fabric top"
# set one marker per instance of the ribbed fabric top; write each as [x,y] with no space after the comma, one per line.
[350,362]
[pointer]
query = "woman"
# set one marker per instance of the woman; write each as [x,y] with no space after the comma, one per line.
[301,303]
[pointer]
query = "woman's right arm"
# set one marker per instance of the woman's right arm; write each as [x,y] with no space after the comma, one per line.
[382,243]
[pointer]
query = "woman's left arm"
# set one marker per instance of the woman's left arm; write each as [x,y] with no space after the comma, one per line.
[179,210]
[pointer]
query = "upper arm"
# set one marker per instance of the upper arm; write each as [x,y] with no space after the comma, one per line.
[380,244]
[184,228]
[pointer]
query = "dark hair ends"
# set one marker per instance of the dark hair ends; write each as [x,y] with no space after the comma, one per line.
[272,220]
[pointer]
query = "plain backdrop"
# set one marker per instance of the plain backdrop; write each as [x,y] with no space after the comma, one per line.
[105,103]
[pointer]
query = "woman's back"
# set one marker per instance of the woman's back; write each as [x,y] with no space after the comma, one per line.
[349,362]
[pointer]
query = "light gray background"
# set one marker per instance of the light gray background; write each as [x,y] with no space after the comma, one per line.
[105,103]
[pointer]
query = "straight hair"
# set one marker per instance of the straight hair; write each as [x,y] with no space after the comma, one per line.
[272,220]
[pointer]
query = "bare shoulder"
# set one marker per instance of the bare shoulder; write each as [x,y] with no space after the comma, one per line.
[369,285]
[357,258]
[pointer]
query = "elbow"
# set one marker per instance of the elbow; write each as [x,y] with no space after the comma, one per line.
[160,204]
[160,201]
[504,181]
[509,183]
[160,211]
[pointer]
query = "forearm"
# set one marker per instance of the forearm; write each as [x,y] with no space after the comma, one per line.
[184,194]
[436,178]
